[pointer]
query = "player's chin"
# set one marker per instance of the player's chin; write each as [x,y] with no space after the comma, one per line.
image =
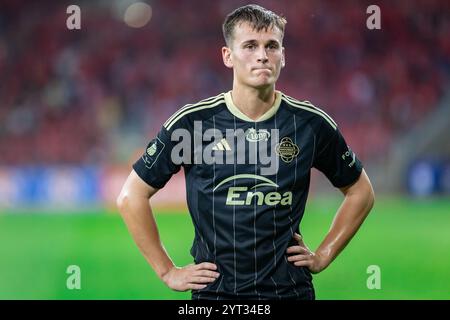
[263,83]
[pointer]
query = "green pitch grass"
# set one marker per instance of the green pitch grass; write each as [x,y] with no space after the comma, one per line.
[408,240]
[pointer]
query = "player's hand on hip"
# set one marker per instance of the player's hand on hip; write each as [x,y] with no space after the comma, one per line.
[301,256]
[191,277]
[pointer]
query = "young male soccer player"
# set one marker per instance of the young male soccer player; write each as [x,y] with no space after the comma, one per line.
[247,156]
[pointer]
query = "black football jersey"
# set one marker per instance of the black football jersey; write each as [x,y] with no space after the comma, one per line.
[247,183]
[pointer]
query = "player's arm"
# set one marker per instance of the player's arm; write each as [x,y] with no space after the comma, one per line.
[134,206]
[344,170]
[358,201]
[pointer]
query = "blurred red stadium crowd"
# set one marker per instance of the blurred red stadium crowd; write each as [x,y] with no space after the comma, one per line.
[93,95]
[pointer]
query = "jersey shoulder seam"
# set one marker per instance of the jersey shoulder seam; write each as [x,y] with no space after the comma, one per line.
[309,107]
[204,104]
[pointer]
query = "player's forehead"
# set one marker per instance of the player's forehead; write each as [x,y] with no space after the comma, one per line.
[244,32]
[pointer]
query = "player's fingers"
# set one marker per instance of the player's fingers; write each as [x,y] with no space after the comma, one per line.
[207,265]
[206,273]
[296,249]
[194,286]
[299,239]
[303,263]
[299,257]
[202,280]
[190,266]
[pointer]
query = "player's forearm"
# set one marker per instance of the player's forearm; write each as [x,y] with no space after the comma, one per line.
[138,216]
[354,209]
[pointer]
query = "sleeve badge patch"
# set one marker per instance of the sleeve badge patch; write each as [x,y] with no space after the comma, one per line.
[151,155]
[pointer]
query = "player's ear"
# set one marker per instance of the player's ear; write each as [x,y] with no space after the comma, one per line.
[226,56]
[283,59]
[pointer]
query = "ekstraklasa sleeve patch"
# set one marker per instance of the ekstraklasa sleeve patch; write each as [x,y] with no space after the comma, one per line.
[152,153]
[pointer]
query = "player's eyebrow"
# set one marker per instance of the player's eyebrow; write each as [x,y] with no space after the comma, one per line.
[253,41]
[248,42]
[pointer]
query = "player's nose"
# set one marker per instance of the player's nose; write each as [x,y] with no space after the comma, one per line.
[262,55]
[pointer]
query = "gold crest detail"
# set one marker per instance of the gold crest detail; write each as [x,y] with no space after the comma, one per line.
[287,150]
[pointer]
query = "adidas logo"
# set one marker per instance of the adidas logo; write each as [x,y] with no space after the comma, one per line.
[222,145]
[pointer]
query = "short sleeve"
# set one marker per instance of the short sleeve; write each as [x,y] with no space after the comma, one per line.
[335,158]
[155,166]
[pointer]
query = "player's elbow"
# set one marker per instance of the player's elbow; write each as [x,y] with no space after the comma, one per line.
[362,192]
[365,192]
[123,202]
[371,199]
[369,196]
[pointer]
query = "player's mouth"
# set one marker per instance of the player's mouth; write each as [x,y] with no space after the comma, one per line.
[262,69]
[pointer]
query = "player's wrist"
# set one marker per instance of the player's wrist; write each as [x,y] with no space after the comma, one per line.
[323,260]
[166,274]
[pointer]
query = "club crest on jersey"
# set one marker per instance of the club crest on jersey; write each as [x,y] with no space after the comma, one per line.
[253,135]
[287,150]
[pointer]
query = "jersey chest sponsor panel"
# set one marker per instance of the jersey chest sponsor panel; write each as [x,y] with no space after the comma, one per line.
[243,188]
[218,177]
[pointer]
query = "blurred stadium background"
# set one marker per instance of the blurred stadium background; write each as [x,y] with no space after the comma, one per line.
[78,106]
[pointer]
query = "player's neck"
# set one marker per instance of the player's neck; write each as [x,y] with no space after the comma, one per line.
[253,102]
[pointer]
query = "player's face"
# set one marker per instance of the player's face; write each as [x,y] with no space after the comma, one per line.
[256,57]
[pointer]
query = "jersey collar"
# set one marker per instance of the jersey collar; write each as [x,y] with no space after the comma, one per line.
[239,114]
